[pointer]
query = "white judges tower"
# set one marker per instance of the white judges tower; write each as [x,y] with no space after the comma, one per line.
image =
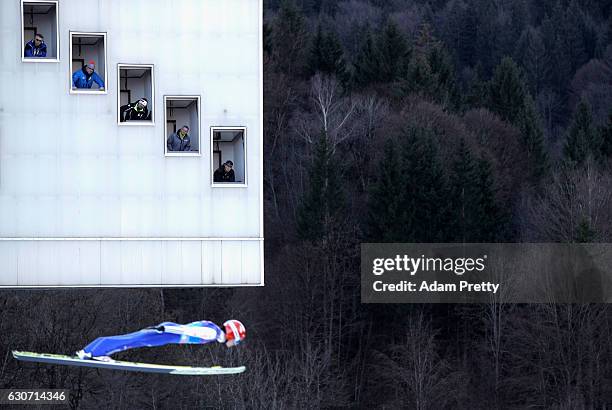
[90,196]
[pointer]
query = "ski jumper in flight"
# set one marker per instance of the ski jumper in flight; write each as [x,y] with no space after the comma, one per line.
[200,332]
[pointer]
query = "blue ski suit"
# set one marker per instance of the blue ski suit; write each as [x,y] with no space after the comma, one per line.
[200,332]
[80,79]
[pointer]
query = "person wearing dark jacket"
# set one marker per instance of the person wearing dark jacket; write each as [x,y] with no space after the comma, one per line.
[136,111]
[225,173]
[36,47]
[179,141]
[86,76]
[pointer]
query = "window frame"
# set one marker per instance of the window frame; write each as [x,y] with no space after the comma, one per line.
[121,66]
[102,34]
[25,59]
[214,184]
[198,98]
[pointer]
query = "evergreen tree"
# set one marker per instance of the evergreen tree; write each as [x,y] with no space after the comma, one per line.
[507,91]
[606,138]
[366,66]
[318,7]
[509,98]
[478,90]
[532,56]
[317,56]
[267,38]
[430,71]
[425,40]
[489,37]
[492,219]
[463,194]
[459,31]
[582,138]
[533,139]
[447,92]
[573,28]
[476,215]
[540,9]
[519,18]
[584,232]
[556,54]
[511,27]
[319,212]
[392,51]
[594,47]
[420,78]
[386,214]
[426,188]
[609,25]
[326,55]
[289,39]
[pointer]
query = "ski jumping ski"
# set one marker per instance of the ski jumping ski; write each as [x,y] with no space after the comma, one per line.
[127,366]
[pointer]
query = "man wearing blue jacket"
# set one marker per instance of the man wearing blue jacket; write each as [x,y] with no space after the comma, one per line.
[36,47]
[86,76]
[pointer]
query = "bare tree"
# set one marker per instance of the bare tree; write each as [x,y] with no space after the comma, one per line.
[593,82]
[371,112]
[420,377]
[573,198]
[332,113]
[557,354]
[278,107]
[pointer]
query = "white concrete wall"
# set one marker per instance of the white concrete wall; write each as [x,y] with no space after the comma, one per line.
[67,170]
[141,263]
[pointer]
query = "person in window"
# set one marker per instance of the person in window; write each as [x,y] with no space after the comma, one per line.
[86,76]
[36,47]
[136,111]
[179,141]
[225,173]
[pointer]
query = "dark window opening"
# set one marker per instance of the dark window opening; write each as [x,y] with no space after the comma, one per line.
[39,24]
[89,51]
[136,94]
[228,155]
[182,130]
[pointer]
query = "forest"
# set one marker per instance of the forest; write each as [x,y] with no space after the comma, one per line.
[386,121]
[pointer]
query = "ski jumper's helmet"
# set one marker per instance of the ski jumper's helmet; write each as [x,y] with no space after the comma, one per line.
[234,331]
